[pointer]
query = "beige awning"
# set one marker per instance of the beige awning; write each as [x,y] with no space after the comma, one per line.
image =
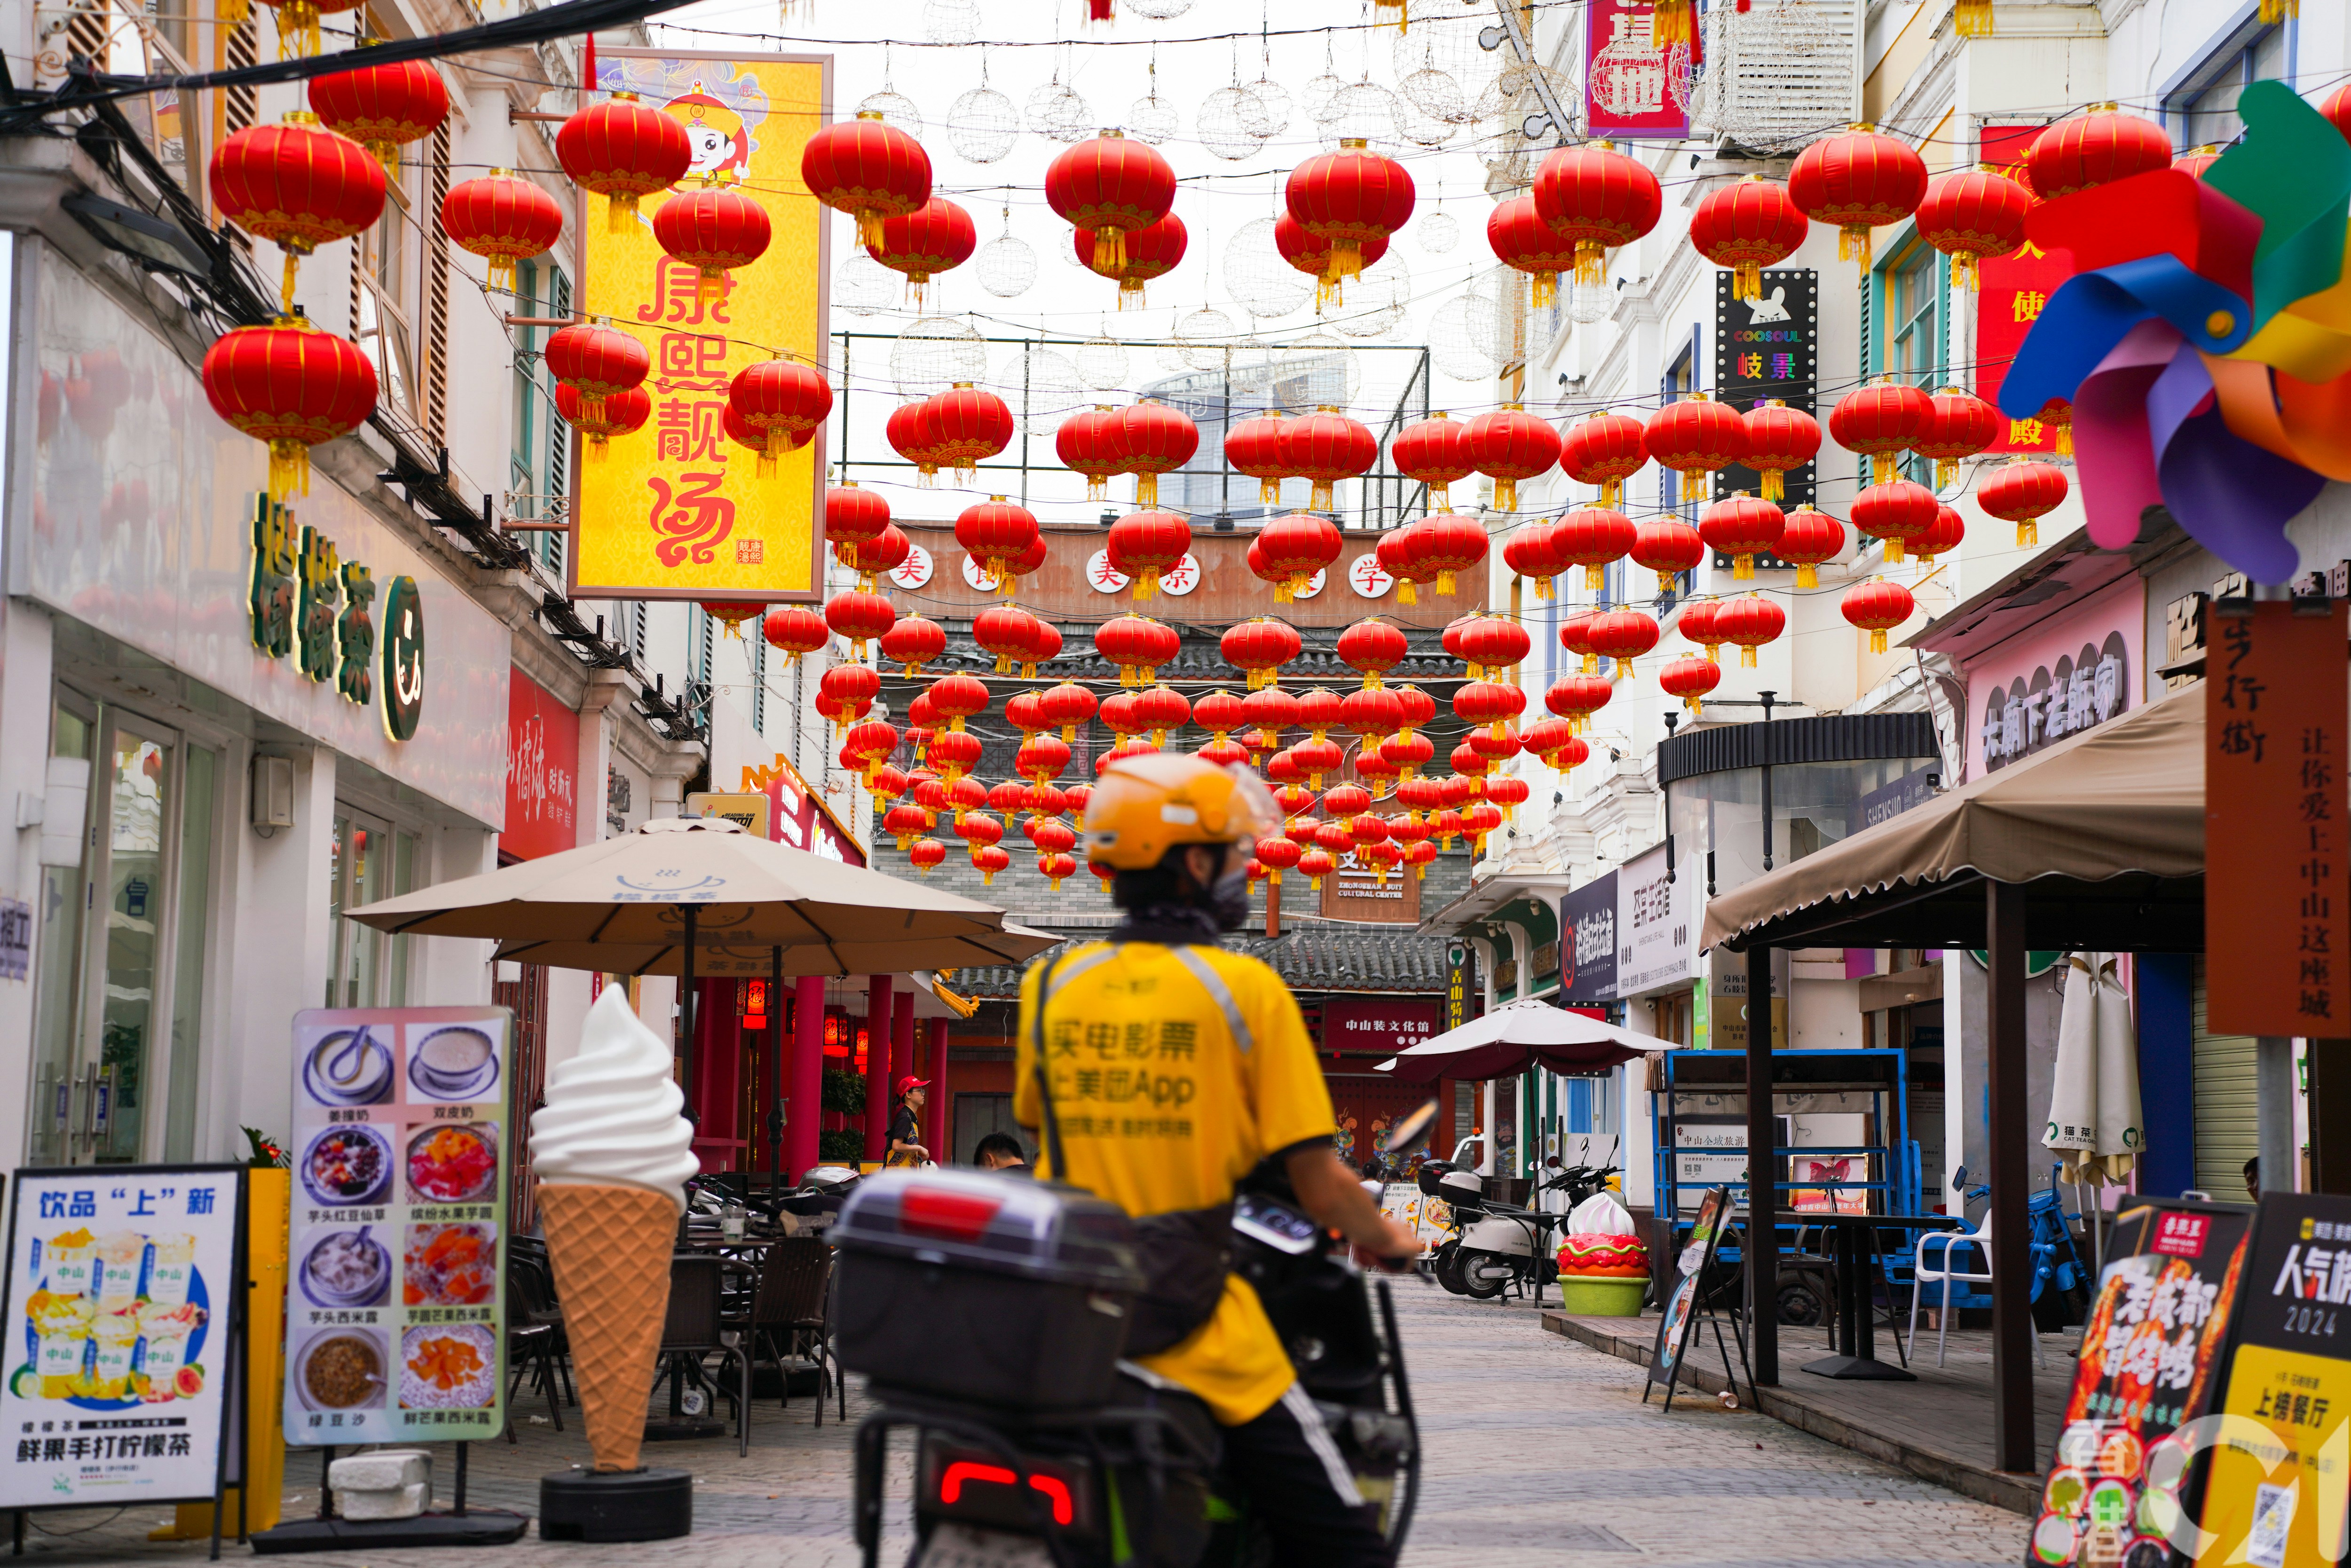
[2125,798]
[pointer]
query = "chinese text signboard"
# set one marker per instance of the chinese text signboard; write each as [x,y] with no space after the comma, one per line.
[1587,937]
[2146,1370]
[1631,89]
[2013,289]
[305,604]
[1767,347]
[543,771]
[2275,850]
[1383,1024]
[395,1309]
[1356,889]
[1653,925]
[678,510]
[121,1309]
[2080,690]
[797,819]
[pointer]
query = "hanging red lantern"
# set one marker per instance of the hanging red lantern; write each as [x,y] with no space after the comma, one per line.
[1161,709]
[1407,751]
[1669,546]
[1447,544]
[1695,435]
[1350,198]
[859,616]
[1271,708]
[888,783]
[1253,447]
[1747,227]
[290,386]
[1138,646]
[867,747]
[1436,453]
[1219,713]
[935,238]
[784,401]
[1521,241]
[964,427]
[1146,544]
[854,516]
[1260,646]
[503,219]
[1807,538]
[1880,420]
[1696,623]
[383,108]
[1398,553]
[911,435]
[1591,537]
[996,533]
[976,826]
[1278,854]
[1779,439]
[1893,512]
[1487,702]
[2022,492]
[1576,698]
[1597,199]
[1535,553]
[1110,185]
[1488,644]
[623,152]
[1751,621]
[1604,450]
[844,691]
[913,640]
[796,630]
[1945,536]
[2096,149]
[1509,791]
[1480,819]
[1326,446]
[886,552]
[1546,738]
[955,697]
[925,854]
[867,169]
[1310,253]
[990,859]
[1152,252]
[1372,647]
[1878,607]
[1575,637]
[297,185]
[620,414]
[1858,181]
[1976,214]
[904,822]
[1623,635]
[1371,714]
[713,231]
[1690,680]
[1742,527]
[595,359]
[1005,631]
[1022,713]
[1957,424]
[1294,549]
[1316,864]
[1066,706]
[1154,439]
[1088,443]
[1511,445]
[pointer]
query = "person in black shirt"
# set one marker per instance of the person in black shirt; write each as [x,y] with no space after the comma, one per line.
[1001,1151]
[906,1124]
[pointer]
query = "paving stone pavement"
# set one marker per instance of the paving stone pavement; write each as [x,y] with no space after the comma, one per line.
[1540,1452]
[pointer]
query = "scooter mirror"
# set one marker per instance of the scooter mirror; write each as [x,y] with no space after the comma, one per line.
[1409,1131]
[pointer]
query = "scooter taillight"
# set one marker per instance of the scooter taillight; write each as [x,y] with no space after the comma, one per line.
[980,1486]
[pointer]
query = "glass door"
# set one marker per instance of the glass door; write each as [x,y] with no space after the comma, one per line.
[366,860]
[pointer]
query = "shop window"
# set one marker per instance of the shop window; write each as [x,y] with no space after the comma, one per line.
[539,472]
[385,266]
[366,860]
[2204,113]
[1914,328]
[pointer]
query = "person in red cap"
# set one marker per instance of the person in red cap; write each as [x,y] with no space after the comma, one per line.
[906,1123]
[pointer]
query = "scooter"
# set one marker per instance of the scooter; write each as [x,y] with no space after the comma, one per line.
[2061,1280]
[1500,1245]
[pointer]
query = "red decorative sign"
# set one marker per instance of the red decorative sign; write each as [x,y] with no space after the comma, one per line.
[542,772]
[2014,289]
[1383,1024]
[799,819]
[1629,85]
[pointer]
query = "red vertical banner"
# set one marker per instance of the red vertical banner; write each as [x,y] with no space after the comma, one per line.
[2277,879]
[1631,89]
[2013,289]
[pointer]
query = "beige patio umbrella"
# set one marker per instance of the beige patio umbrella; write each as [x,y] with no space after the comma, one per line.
[1012,944]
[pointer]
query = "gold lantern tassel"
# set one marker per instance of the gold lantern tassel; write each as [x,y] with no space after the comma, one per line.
[1882,470]
[1506,495]
[290,468]
[1546,291]
[1747,281]
[1591,256]
[1694,485]
[1145,584]
[286,286]
[1445,584]
[1894,552]
[1946,470]
[2028,531]
[1742,569]
[1110,251]
[1775,485]
[1097,487]
[1405,594]
[869,229]
[1672,21]
[1878,639]
[1268,491]
[1346,261]
[597,447]
[1612,493]
[1129,294]
[1542,589]
[620,218]
[2273,11]
[1146,491]
[233,12]
[1806,577]
[298,30]
[2065,436]
[1746,656]
[1595,577]
[710,285]
[1321,500]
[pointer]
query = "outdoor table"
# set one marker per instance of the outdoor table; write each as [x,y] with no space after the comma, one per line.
[1855,1235]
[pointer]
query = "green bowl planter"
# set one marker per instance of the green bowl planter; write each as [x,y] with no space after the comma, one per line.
[1601,1298]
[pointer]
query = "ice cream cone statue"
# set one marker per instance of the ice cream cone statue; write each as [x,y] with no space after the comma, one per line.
[612,1155]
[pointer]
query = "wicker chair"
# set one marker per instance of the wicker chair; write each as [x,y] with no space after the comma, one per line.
[789,1310]
[697,1327]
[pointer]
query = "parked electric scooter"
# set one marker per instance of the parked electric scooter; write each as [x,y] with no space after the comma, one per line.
[1500,1245]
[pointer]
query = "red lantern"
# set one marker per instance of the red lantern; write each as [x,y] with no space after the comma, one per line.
[1623,635]
[796,630]
[1878,607]
[1153,252]
[2022,492]
[1319,709]
[1326,446]
[1254,448]
[844,691]
[1447,544]
[965,427]
[977,828]
[1604,450]
[1279,854]
[1535,553]
[1523,241]
[1219,713]
[1697,624]
[1398,554]
[1407,751]
[1056,866]
[1294,549]
[383,108]
[1958,424]
[1372,647]
[621,413]
[1067,705]
[912,641]
[854,516]
[869,170]
[926,854]
[859,616]
[1317,864]
[1591,537]
[783,400]
[1576,698]
[1161,709]
[1487,702]
[1271,708]
[1596,199]
[1145,544]
[297,185]
[1434,452]
[713,231]
[1088,443]
[867,747]
[1880,420]
[596,360]
[623,152]
[956,698]
[1371,714]
[1807,539]
[2098,148]
[1669,546]
[1110,185]
[1007,631]
[1751,621]
[1742,527]
[502,219]
[1690,680]
[1695,435]
[1488,642]
[1779,438]
[1858,181]
[887,552]
[991,859]
[1747,227]
[1350,198]
[1310,253]
[1480,819]
[935,238]
[1575,636]
[1260,647]
[1138,646]
[1976,214]
[1511,445]
[1945,535]
[1893,512]
[904,821]
[290,386]
[909,432]
[1154,439]
[996,533]
[1546,738]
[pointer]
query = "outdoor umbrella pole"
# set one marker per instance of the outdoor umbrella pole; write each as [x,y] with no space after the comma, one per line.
[776,1071]
[687,1010]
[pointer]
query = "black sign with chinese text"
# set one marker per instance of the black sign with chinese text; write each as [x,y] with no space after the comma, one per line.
[1587,932]
[1763,348]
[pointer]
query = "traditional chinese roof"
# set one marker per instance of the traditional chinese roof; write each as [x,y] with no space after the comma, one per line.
[1321,959]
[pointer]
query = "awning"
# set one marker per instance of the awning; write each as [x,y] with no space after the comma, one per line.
[2106,828]
[1517,1036]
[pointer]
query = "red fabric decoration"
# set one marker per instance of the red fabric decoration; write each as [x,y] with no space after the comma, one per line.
[1138,646]
[1146,544]
[2098,149]
[1254,448]
[595,361]
[1154,439]
[2022,492]
[914,642]
[1088,443]
[966,427]
[383,108]
[1880,420]
[1949,530]
[1448,544]
[1371,647]
[1958,424]
[1521,240]
[782,398]
[1537,553]
[1434,452]
[1690,679]
[1326,446]
[297,185]
[1592,536]
[1152,252]
[1310,253]
[1893,512]
[1262,647]
[996,532]
[1742,527]
[795,630]
[1751,621]
[621,413]
[713,231]
[1349,198]
[1695,435]
[1669,546]
[1623,636]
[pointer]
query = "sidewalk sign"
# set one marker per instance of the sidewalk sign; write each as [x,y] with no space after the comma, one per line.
[262,1469]
[1682,1305]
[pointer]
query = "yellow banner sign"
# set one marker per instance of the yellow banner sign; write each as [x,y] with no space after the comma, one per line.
[677,510]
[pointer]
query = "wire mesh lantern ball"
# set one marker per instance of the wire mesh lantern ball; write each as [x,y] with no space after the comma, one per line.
[1102,363]
[1007,266]
[1256,277]
[895,108]
[1204,339]
[1152,118]
[950,21]
[1055,112]
[862,286]
[1436,233]
[1364,111]
[1376,300]
[982,125]
[1231,123]
[1041,388]
[935,352]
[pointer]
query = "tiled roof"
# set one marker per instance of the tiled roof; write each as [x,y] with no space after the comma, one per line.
[1323,958]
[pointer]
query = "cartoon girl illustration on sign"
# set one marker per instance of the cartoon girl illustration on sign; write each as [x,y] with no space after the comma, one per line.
[720,140]
[720,106]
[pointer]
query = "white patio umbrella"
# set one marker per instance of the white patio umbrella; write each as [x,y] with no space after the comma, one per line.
[1517,1036]
[2094,1108]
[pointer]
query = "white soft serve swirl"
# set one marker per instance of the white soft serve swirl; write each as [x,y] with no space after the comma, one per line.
[611,1111]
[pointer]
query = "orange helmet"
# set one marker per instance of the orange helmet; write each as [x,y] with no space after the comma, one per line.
[1141,807]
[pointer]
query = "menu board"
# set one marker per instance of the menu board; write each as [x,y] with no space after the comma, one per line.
[1690,1274]
[2147,1358]
[395,1294]
[120,1312]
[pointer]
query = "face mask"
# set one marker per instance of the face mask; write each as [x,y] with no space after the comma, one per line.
[1229,899]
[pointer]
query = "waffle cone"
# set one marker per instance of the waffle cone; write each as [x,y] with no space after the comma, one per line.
[611,1246]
